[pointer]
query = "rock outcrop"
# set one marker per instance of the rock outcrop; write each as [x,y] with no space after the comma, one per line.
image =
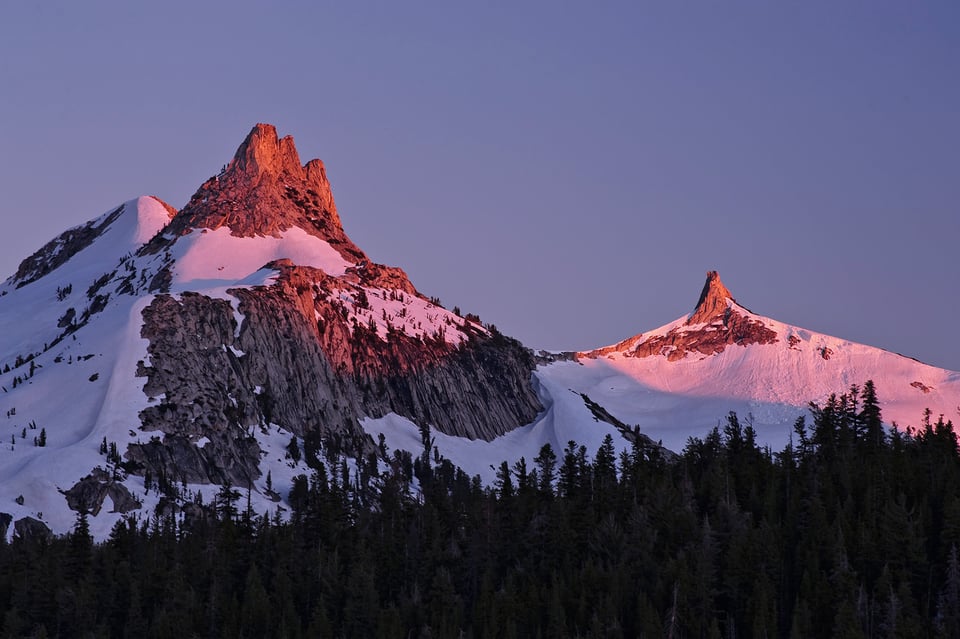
[714,301]
[478,389]
[88,494]
[299,363]
[264,190]
[308,355]
[717,322]
[31,529]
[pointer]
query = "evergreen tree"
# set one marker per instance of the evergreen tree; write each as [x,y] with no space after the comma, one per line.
[546,464]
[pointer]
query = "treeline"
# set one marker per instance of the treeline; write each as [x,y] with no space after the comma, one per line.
[850,531]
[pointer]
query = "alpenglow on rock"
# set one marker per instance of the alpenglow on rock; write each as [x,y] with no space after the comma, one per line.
[188,349]
[149,356]
[333,338]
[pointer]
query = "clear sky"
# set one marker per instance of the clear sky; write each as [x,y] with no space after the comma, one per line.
[568,171]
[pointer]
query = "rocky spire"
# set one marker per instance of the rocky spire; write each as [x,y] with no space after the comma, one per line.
[264,190]
[714,301]
[263,152]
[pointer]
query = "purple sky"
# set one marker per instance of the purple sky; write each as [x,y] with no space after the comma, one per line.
[568,172]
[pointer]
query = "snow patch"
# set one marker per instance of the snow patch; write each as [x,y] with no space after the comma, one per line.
[386,310]
[209,258]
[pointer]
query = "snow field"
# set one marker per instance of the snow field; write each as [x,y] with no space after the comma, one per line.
[404,312]
[671,401]
[214,258]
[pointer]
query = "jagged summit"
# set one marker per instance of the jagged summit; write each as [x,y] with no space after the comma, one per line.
[198,344]
[263,191]
[717,322]
[263,151]
[714,301]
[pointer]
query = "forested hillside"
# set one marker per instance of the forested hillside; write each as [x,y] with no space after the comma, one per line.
[851,531]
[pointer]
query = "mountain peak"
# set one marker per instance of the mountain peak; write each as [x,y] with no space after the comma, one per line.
[264,190]
[264,152]
[713,302]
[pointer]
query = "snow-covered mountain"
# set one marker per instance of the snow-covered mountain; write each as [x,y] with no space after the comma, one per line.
[684,377]
[152,348]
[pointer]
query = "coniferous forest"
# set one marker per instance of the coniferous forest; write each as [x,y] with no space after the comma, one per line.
[851,530]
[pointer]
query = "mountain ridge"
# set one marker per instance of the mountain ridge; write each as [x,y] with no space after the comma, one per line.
[201,345]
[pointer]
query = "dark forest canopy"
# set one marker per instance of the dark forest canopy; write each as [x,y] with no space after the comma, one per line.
[850,531]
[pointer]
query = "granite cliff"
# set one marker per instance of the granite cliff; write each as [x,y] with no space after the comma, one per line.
[301,351]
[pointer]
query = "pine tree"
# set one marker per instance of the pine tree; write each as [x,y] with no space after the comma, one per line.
[570,477]
[546,463]
[503,483]
[81,546]
[605,471]
[872,424]
[226,502]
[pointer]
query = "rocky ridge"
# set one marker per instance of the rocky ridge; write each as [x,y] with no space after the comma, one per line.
[299,361]
[234,350]
[307,353]
[717,322]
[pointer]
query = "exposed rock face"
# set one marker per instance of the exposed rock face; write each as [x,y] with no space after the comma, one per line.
[204,394]
[88,494]
[227,458]
[5,520]
[714,301]
[263,191]
[298,363]
[716,323]
[632,435]
[31,529]
[480,389]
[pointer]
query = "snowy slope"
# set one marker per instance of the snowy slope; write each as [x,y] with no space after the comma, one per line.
[672,400]
[661,382]
[74,393]
[137,222]
[77,381]
[211,258]
[84,388]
